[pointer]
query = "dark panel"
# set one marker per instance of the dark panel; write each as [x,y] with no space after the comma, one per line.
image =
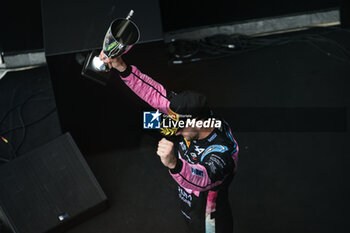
[81,25]
[345,13]
[21,27]
[48,187]
[184,14]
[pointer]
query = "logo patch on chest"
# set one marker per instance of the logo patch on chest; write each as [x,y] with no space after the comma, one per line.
[199,150]
[183,146]
[193,155]
[197,172]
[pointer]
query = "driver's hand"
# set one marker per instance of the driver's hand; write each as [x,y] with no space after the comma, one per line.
[116,63]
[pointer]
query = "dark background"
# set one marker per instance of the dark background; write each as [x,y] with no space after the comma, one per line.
[21,26]
[83,24]
[288,106]
[193,14]
[71,26]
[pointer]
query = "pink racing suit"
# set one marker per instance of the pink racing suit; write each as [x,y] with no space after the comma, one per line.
[204,168]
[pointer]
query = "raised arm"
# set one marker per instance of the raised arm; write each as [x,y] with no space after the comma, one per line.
[141,84]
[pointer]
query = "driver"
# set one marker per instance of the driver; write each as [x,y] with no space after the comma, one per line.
[203,162]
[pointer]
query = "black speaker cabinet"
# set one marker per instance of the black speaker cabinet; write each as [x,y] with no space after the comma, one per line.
[49,189]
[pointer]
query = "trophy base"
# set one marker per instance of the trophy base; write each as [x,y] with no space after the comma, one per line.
[99,65]
[95,70]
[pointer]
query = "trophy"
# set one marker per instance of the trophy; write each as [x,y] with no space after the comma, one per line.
[120,37]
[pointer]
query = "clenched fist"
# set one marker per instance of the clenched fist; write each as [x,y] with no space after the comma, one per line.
[116,63]
[166,153]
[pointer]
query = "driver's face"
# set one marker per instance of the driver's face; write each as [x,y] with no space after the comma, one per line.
[189,133]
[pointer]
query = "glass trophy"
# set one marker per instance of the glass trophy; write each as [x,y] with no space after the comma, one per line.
[120,37]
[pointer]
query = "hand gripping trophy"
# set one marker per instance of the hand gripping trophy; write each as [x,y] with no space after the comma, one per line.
[120,37]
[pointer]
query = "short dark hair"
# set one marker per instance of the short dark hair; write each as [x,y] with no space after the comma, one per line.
[191,103]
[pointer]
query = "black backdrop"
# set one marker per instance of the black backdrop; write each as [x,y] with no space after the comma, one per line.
[183,14]
[71,26]
[20,27]
[345,13]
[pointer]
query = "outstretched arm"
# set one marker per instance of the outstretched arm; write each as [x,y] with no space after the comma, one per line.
[144,86]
